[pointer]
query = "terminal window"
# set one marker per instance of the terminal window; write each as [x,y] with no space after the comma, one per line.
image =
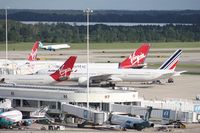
[16,103]
[30,103]
[52,105]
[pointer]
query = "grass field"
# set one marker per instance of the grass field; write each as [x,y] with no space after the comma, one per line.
[28,45]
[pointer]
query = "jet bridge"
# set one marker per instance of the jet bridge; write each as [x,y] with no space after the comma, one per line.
[164,115]
[87,114]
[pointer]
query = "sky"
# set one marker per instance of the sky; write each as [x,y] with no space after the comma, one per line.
[102,4]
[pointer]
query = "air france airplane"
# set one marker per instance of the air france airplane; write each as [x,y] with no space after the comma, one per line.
[112,75]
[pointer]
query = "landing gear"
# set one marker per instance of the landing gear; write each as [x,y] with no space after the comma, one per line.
[111,84]
[170,80]
[108,84]
[156,82]
[123,129]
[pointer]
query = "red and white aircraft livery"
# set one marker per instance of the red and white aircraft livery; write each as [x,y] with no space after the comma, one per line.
[136,60]
[61,74]
[33,55]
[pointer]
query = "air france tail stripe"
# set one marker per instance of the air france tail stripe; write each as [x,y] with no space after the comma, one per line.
[172,62]
[173,66]
[173,58]
[167,62]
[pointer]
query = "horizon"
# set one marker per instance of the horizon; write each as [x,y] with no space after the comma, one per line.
[105,9]
[102,4]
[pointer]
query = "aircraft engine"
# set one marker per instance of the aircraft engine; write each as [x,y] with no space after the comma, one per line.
[2,80]
[82,81]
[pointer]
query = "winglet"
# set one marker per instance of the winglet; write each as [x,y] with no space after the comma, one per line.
[65,70]
[172,61]
[137,58]
[33,55]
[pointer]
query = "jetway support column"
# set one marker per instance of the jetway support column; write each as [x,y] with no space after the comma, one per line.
[21,103]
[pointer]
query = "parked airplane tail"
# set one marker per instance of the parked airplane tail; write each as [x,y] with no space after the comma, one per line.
[65,70]
[137,58]
[172,61]
[33,55]
[40,44]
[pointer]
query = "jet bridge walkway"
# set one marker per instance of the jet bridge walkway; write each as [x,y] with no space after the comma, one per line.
[89,115]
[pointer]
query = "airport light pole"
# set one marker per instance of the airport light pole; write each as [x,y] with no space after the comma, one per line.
[6,35]
[88,11]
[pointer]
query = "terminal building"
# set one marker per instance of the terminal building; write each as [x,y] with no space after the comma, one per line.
[29,98]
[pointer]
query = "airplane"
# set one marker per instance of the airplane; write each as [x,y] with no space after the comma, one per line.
[9,117]
[113,75]
[60,75]
[128,122]
[135,60]
[53,47]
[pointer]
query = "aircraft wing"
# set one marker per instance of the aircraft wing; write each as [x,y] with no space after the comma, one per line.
[179,73]
[166,75]
[104,77]
[99,78]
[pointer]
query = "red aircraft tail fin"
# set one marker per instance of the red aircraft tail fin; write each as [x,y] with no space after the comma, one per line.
[65,70]
[137,58]
[33,55]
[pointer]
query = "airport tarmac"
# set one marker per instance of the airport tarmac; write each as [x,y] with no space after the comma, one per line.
[184,87]
[36,128]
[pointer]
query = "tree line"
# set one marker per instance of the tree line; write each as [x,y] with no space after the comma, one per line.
[61,32]
[151,16]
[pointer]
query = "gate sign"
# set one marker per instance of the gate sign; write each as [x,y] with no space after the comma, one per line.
[166,113]
[197,108]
